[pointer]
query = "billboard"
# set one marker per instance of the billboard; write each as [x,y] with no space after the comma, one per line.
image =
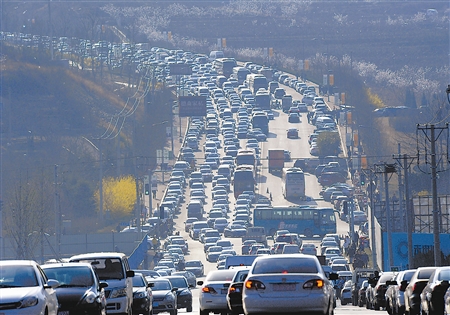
[180,69]
[192,106]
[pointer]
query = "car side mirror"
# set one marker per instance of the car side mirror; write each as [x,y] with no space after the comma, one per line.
[103,284]
[174,289]
[130,273]
[51,283]
[333,276]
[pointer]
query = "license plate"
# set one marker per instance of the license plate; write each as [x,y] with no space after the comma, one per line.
[284,287]
[155,304]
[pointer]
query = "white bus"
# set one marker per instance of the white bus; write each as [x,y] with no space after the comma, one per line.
[293,183]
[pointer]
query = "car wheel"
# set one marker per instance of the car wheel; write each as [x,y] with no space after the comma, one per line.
[189,308]
[388,308]
[330,310]
[204,312]
[376,307]
[174,312]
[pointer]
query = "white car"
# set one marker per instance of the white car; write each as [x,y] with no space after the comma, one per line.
[287,283]
[213,293]
[346,293]
[26,290]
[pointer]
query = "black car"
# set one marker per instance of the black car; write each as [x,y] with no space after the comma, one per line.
[184,294]
[80,291]
[234,295]
[414,288]
[294,118]
[432,297]
[142,295]
[195,266]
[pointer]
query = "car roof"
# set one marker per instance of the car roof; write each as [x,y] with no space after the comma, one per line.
[99,255]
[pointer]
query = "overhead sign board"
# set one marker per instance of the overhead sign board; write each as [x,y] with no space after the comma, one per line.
[180,69]
[192,106]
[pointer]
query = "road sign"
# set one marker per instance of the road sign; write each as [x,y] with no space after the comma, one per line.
[159,159]
[180,69]
[165,156]
[192,106]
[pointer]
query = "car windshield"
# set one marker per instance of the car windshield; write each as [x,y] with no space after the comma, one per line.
[193,264]
[108,268]
[178,282]
[138,281]
[285,265]
[72,276]
[161,286]
[17,276]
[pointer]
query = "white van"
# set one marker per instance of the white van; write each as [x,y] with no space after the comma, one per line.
[215,54]
[114,269]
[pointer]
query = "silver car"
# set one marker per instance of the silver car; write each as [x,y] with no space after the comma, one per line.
[213,294]
[292,283]
[26,290]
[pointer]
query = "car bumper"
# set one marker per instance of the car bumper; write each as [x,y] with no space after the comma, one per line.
[141,305]
[311,303]
[184,301]
[211,302]
[119,305]
[162,306]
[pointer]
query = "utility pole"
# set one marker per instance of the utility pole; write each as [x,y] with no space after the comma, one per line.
[388,219]
[400,194]
[369,172]
[432,138]
[409,211]
[386,169]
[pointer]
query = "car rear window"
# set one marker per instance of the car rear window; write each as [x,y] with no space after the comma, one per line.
[425,274]
[285,265]
[222,275]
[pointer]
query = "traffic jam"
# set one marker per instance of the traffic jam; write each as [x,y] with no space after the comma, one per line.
[291,258]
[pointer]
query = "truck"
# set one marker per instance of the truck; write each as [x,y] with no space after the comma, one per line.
[262,99]
[257,233]
[286,103]
[256,82]
[276,160]
[261,121]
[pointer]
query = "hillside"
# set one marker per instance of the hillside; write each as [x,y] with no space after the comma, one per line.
[53,118]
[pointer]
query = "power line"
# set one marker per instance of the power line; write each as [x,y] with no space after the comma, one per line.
[429,132]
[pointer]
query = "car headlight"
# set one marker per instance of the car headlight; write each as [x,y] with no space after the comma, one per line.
[140,295]
[90,298]
[169,297]
[28,301]
[118,292]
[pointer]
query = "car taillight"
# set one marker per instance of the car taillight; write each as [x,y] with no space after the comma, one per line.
[208,290]
[233,289]
[254,285]
[316,283]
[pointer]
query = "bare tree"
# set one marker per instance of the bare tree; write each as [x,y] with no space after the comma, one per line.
[27,214]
